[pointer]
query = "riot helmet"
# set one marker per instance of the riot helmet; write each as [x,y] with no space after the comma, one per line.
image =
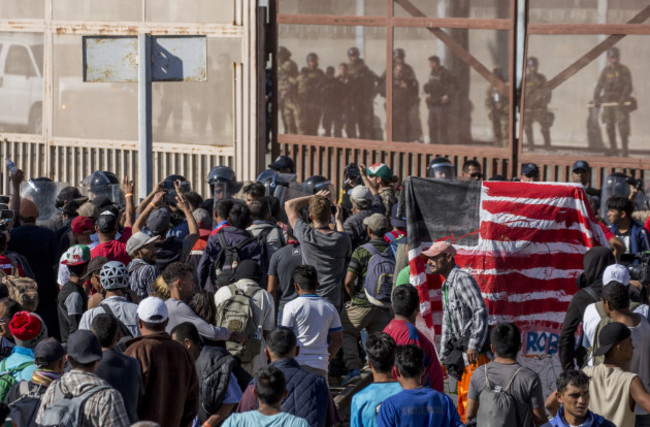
[317,183]
[441,167]
[312,57]
[168,184]
[532,62]
[614,53]
[103,184]
[222,182]
[399,53]
[283,163]
[283,53]
[353,51]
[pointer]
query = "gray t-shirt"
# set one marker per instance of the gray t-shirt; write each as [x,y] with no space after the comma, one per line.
[526,387]
[329,254]
[282,264]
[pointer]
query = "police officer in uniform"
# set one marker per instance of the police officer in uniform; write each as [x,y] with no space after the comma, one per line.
[614,89]
[287,93]
[536,110]
[311,83]
[438,90]
[498,107]
[406,124]
[362,88]
[414,130]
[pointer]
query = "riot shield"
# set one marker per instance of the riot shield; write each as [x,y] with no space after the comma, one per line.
[43,192]
[618,184]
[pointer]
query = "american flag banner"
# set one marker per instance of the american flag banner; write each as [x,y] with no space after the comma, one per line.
[523,243]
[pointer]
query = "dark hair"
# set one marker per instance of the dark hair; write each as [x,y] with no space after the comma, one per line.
[281,341]
[202,303]
[306,277]
[186,330]
[154,327]
[70,209]
[274,206]
[194,199]
[577,378]
[620,203]
[405,300]
[12,307]
[223,207]
[470,163]
[616,295]
[259,209]
[80,365]
[77,270]
[239,216]
[435,58]
[175,271]
[409,361]
[506,339]
[104,326]
[270,385]
[380,349]
[255,189]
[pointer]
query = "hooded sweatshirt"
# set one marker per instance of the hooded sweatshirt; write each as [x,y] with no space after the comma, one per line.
[595,261]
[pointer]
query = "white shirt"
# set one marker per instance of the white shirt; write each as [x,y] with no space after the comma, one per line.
[590,321]
[640,363]
[264,312]
[312,318]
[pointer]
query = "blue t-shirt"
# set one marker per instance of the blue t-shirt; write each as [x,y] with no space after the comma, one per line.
[419,407]
[366,403]
[255,418]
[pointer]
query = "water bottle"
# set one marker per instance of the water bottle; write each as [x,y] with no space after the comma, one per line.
[11,166]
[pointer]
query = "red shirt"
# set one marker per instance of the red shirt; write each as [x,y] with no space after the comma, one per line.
[405,333]
[113,250]
[7,266]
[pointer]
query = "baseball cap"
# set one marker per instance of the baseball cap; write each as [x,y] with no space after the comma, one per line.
[377,223]
[83,346]
[94,266]
[381,170]
[530,170]
[88,210]
[611,335]
[106,221]
[82,225]
[282,162]
[360,193]
[395,220]
[28,209]
[580,164]
[616,273]
[203,220]
[152,310]
[139,240]
[48,351]
[76,255]
[441,247]
[158,221]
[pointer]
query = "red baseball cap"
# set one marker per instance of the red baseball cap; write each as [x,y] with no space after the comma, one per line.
[82,225]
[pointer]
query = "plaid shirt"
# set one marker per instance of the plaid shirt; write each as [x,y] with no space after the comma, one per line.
[104,408]
[141,277]
[463,310]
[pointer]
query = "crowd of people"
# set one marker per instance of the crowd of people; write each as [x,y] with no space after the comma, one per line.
[246,308]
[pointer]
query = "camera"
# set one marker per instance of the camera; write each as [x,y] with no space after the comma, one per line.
[635,182]
[641,270]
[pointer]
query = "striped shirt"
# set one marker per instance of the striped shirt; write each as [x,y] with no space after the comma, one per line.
[141,277]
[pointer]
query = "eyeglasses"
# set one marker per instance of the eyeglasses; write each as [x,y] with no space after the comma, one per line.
[478,175]
[5,320]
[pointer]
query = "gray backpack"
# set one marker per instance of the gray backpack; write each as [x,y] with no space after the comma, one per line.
[66,409]
[497,407]
[236,314]
[378,283]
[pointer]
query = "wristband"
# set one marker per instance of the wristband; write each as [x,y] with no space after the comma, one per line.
[128,195]
[152,206]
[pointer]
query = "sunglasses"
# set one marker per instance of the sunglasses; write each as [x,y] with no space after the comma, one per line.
[476,175]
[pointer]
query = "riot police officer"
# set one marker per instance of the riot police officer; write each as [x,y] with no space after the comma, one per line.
[614,89]
[103,184]
[498,107]
[536,109]
[441,168]
[363,89]
[414,126]
[287,94]
[438,90]
[310,90]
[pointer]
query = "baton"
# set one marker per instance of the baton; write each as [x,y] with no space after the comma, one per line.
[609,104]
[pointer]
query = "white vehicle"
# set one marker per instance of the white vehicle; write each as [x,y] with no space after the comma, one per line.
[21,85]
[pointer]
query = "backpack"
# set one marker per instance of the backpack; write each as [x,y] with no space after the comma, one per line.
[261,239]
[22,411]
[66,409]
[225,265]
[23,290]
[7,379]
[378,283]
[236,314]
[497,407]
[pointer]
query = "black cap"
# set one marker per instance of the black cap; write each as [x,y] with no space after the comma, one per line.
[71,194]
[48,351]
[84,347]
[611,335]
[581,164]
[282,162]
[530,170]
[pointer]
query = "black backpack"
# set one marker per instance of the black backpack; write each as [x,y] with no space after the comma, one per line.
[23,410]
[225,265]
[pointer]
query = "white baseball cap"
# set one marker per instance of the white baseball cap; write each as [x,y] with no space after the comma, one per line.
[616,273]
[152,310]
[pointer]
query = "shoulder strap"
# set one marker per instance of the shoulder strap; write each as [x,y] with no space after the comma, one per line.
[592,293]
[121,324]
[512,379]
[222,240]
[23,388]
[244,242]
[370,248]
[487,382]
[251,292]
